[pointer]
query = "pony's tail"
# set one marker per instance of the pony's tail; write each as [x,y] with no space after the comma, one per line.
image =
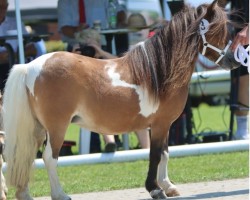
[19,125]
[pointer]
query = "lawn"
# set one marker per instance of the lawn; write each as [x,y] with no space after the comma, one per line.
[111,176]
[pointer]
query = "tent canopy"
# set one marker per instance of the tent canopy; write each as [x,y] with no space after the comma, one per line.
[32,10]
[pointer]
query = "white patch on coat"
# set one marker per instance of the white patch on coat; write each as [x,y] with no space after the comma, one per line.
[51,164]
[162,174]
[146,106]
[34,70]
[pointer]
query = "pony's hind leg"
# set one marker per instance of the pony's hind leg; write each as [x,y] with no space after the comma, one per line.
[163,180]
[50,156]
[22,193]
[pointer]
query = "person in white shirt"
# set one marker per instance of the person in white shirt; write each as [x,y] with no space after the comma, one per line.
[69,19]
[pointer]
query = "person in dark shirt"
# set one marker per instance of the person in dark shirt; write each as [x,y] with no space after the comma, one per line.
[242,37]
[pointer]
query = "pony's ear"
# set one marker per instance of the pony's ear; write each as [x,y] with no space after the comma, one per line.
[210,9]
[215,2]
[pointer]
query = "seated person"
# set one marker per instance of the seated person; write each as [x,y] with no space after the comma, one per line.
[8,24]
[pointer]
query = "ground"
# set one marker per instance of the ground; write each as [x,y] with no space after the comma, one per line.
[215,190]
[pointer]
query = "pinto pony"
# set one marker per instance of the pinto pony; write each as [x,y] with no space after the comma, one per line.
[148,87]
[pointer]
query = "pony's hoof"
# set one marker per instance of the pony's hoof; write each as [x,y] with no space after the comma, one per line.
[172,192]
[158,194]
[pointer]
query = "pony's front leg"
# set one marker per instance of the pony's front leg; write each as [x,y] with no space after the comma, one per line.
[163,180]
[156,147]
[57,192]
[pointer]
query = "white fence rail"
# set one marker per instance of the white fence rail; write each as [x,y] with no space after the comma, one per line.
[143,154]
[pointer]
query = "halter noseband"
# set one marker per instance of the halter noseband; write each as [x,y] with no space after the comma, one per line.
[204,25]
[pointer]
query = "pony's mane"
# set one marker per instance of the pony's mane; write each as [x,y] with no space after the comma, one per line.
[164,60]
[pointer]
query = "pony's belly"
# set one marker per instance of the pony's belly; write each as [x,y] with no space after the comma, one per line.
[111,125]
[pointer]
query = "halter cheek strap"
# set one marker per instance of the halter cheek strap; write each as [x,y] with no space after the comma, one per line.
[204,26]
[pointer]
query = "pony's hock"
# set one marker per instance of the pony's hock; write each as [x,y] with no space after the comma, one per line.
[147,86]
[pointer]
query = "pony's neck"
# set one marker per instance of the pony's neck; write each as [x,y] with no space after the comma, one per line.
[166,60]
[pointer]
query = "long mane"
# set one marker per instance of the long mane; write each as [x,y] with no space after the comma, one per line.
[164,61]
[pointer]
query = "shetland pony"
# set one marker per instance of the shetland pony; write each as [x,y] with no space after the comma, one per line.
[3,187]
[148,87]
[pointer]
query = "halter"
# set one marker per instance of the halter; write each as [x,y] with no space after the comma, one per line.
[204,26]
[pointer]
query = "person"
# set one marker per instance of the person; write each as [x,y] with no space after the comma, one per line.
[91,38]
[70,21]
[7,25]
[242,37]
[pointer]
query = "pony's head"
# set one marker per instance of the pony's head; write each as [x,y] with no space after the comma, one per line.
[215,37]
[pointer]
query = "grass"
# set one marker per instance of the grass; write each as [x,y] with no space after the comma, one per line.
[211,118]
[111,176]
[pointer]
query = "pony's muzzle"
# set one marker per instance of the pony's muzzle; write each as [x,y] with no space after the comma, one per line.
[228,62]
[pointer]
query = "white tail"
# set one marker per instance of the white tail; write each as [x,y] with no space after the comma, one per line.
[19,125]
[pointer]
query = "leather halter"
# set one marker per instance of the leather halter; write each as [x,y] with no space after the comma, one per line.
[204,26]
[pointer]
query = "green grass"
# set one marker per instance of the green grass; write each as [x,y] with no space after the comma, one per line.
[111,176]
[211,118]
